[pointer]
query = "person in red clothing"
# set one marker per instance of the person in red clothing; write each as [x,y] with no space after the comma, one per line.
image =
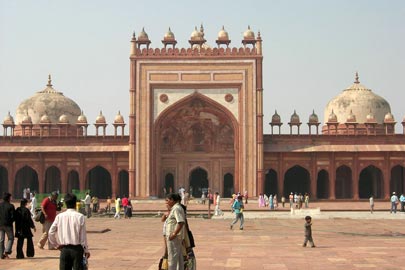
[48,207]
[124,202]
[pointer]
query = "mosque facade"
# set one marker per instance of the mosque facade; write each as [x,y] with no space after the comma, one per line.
[196,121]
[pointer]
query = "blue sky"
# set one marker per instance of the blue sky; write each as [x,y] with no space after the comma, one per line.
[312,49]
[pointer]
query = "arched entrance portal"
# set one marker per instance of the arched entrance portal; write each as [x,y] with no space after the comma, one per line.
[397,182]
[270,183]
[3,180]
[297,180]
[169,183]
[26,177]
[371,183]
[73,181]
[123,182]
[322,185]
[198,182]
[52,180]
[343,187]
[228,185]
[98,180]
[187,135]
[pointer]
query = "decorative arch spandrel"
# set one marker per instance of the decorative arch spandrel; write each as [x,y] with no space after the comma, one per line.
[195,124]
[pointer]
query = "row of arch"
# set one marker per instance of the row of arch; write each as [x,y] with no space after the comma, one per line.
[370,182]
[98,180]
[198,183]
[297,179]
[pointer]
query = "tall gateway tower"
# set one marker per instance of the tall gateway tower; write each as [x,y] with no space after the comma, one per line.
[196,117]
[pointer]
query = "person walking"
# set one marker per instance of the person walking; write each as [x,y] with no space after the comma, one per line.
[48,207]
[246,196]
[402,201]
[271,202]
[23,226]
[129,208]
[237,208]
[394,203]
[33,204]
[371,204]
[87,202]
[218,211]
[291,199]
[117,208]
[306,200]
[275,202]
[282,201]
[94,201]
[68,234]
[175,232]
[308,232]
[262,202]
[124,203]
[108,207]
[7,216]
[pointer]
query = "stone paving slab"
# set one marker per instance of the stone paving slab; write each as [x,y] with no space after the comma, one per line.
[263,244]
[270,240]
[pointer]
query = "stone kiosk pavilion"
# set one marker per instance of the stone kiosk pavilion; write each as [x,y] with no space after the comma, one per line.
[196,121]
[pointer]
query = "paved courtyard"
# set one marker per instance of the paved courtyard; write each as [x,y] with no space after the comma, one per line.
[270,240]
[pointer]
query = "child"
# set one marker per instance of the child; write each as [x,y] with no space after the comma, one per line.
[308,232]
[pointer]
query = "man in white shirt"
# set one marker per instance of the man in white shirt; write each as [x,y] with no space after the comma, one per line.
[87,201]
[68,234]
[394,202]
[33,204]
[174,231]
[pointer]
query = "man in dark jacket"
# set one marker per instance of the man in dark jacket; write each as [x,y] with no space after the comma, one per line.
[23,226]
[7,213]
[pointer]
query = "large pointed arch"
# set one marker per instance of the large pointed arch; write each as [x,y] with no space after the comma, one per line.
[198,181]
[98,180]
[73,181]
[169,183]
[297,179]
[3,180]
[322,185]
[228,187]
[26,177]
[123,183]
[343,184]
[194,124]
[165,133]
[271,182]
[397,181]
[371,183]
[52,179]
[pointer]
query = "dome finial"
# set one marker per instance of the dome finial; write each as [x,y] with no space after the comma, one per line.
[357,78]
[49,81]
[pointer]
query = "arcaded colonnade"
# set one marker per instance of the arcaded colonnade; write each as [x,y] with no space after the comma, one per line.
[98,164]
[335,167]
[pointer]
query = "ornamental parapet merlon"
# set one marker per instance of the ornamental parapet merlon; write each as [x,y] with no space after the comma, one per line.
[196,52]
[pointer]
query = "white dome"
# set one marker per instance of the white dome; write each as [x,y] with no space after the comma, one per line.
[49,102]
[359,101]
